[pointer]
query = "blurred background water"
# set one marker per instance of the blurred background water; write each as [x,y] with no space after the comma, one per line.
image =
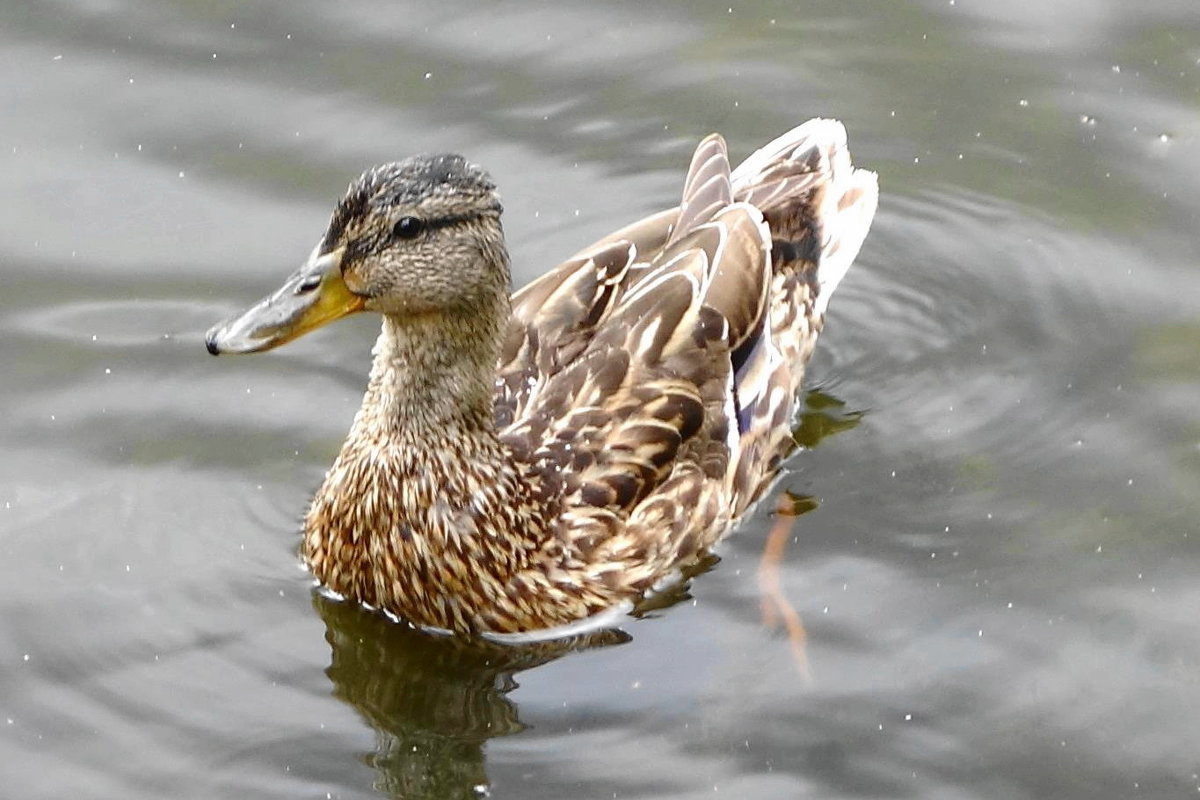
[999,578]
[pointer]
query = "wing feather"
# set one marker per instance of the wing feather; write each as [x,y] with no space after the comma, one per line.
[651,378]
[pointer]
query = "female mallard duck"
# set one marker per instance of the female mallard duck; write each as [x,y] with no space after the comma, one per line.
[524,463]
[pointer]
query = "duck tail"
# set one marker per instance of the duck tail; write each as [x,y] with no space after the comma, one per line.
[817,205]
[818,209]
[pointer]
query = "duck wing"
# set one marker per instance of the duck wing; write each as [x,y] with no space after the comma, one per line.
[650,379]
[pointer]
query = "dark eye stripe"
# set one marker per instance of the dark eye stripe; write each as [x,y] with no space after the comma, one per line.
[446,222]
[359,248]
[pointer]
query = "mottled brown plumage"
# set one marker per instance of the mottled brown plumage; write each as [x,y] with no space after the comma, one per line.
[523,463]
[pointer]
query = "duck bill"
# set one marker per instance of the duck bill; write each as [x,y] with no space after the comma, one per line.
[313,296]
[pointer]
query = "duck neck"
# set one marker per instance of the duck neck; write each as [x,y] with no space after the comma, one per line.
[432,379]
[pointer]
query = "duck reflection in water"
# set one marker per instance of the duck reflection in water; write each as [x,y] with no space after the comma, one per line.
[433,700]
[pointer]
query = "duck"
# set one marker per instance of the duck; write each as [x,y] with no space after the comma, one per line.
[524,463]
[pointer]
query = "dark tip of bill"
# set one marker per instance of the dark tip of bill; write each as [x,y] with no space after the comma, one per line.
[210,341]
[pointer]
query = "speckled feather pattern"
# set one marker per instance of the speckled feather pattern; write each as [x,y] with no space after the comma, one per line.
[641,399]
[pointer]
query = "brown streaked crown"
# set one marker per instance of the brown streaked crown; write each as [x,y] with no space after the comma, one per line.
[444,188]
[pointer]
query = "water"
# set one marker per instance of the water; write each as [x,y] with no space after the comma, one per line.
[998,581]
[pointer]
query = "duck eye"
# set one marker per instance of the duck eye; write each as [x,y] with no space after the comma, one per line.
[408,227]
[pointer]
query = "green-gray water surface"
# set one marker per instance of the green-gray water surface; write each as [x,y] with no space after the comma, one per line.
[998,582]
